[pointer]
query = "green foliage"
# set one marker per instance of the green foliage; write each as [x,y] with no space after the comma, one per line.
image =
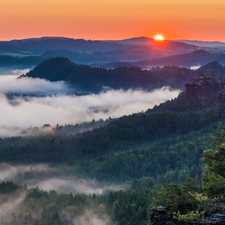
[42,207]
[157,153]
[196,216]
[94,78]
[8,187]
[214,177]
[174,198]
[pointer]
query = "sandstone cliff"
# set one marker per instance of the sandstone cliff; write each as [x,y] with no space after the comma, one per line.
[204,87]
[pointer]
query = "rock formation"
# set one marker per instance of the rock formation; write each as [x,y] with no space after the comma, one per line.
[204,87]
[160,216]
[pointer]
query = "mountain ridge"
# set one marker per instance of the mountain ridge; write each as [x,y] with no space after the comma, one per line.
[94,78]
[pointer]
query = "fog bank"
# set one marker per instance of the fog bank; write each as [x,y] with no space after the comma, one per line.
[49,178]
[33,111]
[28,85]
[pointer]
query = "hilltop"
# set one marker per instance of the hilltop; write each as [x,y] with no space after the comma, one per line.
[195,58]
[96,79]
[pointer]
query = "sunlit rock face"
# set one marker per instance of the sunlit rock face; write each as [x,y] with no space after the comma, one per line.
[204,87]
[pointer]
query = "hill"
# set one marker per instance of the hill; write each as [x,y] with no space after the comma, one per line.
[122,50]
[195,58]
[215,44]
[136,154]
[94,79]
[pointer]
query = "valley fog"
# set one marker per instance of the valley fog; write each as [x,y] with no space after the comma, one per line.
[58,108]
[49,178]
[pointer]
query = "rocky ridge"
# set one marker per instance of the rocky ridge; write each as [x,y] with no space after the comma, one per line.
[204,87]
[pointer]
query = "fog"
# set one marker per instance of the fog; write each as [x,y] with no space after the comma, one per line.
[91,218]
[7,71]
[19,113]
[73,185]
[9,172]
[10,205]
[27,85]
[50,178]
[34,111]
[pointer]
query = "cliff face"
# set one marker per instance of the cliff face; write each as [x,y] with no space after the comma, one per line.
[204,87]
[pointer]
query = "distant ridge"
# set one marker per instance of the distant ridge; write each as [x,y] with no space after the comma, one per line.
[133,49]
[195,58]
[95,79]
[204,43]
[43,38]
[199,57]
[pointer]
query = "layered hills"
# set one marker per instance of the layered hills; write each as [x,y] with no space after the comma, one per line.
[142,52]
[195,58]
[96,79]
[29,52]
[161,146]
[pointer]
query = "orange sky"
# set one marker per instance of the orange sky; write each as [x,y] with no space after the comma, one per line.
[113,19]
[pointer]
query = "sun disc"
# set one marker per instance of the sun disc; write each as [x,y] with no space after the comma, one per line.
[159,38]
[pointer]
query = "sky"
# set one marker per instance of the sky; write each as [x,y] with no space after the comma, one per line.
[113,19]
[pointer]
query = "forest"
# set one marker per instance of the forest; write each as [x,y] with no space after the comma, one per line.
[97,79]
[126,166]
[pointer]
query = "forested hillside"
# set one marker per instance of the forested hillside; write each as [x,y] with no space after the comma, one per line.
[134,159]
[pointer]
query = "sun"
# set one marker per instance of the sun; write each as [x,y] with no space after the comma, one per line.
[159,38]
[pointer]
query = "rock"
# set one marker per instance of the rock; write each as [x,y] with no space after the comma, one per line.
[217,218]
[204,87]
[170,223]
[160,216]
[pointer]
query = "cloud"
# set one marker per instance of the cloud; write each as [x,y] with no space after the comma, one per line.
[9,172]
[91,218]
[33,111]
[10,204]
[19,113]
[10,84]
[7,71]
[72,185]
[50,178]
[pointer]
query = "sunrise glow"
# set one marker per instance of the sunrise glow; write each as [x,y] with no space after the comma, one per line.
[159,38]
[113,19]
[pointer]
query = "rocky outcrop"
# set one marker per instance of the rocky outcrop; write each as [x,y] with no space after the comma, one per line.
[161,216]
[204,87]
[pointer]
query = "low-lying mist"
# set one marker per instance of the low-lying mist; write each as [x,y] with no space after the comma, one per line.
[50,178]
[11,84]
[55,107]
[72,185]
[34,111]
[15,71]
